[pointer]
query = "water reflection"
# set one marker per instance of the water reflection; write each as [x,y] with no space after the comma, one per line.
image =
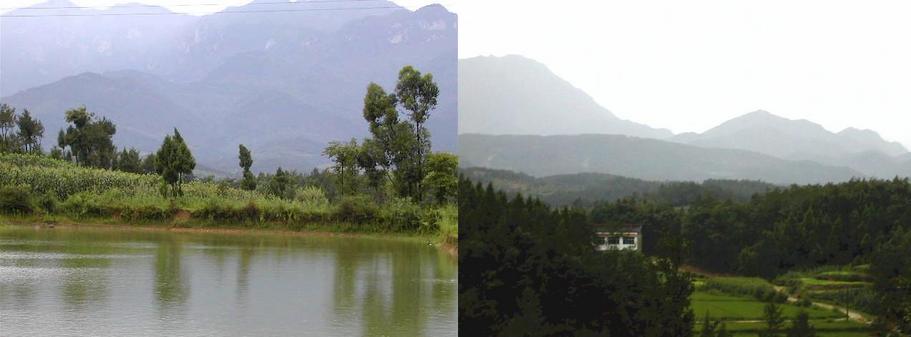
[170,287]
[180,284]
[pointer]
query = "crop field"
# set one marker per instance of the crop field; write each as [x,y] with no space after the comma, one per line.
[838,285]
[731,307]
[728,299]
[55,188]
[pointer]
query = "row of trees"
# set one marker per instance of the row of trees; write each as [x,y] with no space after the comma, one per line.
[527,270]
[89,141]
[19,133]
[395,157]
[795,228]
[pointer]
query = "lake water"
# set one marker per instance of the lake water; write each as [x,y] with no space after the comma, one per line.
[119,282]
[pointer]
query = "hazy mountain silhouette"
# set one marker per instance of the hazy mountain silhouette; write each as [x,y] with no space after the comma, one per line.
[515,95]
[283,84]
[634,157]
[763,132]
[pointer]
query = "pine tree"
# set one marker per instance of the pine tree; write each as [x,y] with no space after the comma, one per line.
[801,327]
[773,318]
[174,162]
[30,132]
[246,161]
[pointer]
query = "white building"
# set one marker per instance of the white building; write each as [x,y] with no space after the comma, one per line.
[624,237]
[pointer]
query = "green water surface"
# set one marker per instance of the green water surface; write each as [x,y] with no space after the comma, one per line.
[122,282]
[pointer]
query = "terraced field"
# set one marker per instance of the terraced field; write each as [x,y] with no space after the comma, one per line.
[742,314]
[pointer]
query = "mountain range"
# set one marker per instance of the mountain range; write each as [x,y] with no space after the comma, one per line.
[634,157]
[513,95]
[284,83]
[516,96]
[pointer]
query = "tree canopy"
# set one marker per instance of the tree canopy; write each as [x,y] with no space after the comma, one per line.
[245,159]
[174,162]
[87,140]
[398,149]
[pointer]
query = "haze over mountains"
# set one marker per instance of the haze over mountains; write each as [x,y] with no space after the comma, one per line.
[513,95]
[516,96]
[283,83]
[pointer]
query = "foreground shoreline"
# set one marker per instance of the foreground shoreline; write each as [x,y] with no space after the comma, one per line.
[197,228]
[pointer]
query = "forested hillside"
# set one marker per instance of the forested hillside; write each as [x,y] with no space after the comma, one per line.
[861,222]
[585,189]
[527,270]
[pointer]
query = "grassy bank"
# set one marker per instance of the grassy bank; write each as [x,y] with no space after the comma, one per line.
[43,189]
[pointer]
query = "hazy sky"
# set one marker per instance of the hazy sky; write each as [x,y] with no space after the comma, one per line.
[689,65]
[187,6]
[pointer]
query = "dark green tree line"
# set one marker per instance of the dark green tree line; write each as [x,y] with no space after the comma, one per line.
[128,160]
[527,270]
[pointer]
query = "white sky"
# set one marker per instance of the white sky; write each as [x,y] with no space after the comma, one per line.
[690,65]
[187,6]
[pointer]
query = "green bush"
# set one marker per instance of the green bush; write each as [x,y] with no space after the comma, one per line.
[84,205]
[449,224]
[16,200]
[147,213]
[357,209]
[400,214]
[48,202]
[746,286]
[226,213]
[430,221]
[312,197]
[844,276]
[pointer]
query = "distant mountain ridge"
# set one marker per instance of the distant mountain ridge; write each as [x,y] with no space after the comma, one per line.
[640,158]
[763,132]
[513,95]
[282,84]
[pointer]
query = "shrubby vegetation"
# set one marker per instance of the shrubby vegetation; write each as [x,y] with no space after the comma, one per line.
[745,286]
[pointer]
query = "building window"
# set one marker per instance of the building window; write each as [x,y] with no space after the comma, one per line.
[628,240]
[613,240]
